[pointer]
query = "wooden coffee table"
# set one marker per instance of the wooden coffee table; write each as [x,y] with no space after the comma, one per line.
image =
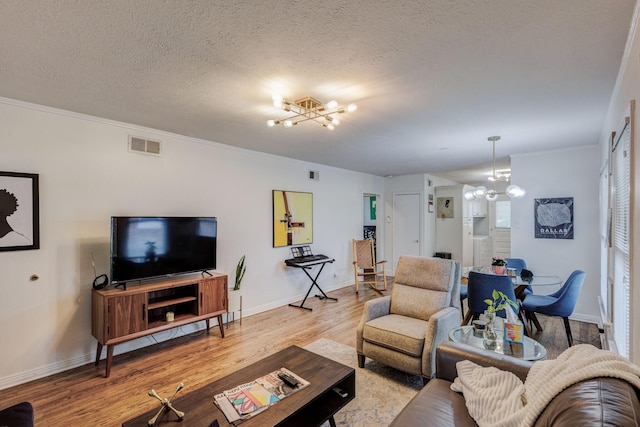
[310,406]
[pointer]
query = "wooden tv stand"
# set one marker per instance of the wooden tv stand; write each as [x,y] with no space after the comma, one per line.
[120,315]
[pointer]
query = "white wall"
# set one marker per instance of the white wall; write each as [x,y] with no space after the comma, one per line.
[563,173]
[628,88]
[87,175]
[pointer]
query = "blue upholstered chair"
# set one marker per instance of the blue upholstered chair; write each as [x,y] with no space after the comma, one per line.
[480,287]
[519,264]
[560,303]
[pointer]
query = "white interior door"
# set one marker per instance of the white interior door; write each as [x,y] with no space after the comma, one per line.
[407,231]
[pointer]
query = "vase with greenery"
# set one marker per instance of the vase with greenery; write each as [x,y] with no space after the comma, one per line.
[240,270]
[498,302]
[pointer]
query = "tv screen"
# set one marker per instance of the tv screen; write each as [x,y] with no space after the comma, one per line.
[148,247]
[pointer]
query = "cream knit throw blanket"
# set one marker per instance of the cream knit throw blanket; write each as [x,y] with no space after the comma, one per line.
[498,398]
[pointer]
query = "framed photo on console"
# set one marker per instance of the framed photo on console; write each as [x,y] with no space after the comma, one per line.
[19,211]
[292,218]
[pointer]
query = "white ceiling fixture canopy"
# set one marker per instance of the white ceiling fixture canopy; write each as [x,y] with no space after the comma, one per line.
[309,108]
[512,191]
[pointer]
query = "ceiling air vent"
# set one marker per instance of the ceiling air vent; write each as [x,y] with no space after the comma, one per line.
[314,175]
[144,146]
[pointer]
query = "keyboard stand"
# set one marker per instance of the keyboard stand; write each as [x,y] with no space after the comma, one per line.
[314,280]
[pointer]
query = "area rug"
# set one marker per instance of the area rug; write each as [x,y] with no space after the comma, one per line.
[381,391]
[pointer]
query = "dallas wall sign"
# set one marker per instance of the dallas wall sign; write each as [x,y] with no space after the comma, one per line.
[554,218]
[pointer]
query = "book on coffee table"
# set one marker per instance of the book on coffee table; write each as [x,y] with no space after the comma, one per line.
[247,400]
[250,397]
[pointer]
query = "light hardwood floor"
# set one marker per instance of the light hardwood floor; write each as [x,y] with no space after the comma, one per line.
[83,397]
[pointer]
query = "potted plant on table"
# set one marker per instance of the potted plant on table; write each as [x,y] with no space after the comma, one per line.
[498,264]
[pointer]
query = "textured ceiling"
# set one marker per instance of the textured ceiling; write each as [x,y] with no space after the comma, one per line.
[432,78]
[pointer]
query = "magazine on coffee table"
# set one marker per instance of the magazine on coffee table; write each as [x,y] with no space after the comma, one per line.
[249,399]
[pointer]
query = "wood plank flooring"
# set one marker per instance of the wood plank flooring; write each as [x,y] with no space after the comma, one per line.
[83,397]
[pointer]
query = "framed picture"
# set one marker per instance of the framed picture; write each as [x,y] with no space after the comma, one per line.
[554,218]
[445,207]
[292,218]
[19,211]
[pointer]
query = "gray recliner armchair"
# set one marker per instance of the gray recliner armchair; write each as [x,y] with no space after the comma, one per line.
[403,329]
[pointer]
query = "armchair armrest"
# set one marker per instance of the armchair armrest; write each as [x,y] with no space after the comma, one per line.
[372,309]
[440,323]
[375,308]
[449,353]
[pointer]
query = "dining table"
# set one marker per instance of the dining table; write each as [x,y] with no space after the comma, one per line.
[521,284]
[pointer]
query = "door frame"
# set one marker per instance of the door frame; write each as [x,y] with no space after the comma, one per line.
[379,223]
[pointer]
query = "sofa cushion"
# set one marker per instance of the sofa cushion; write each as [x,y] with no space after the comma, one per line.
[593,402]
[422,288]
[403,334]
[19,415]
[416,302]
[434,406]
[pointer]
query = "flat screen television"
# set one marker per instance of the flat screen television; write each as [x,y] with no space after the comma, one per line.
[152,247]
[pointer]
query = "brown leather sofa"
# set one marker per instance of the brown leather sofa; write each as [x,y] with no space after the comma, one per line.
[597,402]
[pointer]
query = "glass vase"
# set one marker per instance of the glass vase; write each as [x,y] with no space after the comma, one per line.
[490,341]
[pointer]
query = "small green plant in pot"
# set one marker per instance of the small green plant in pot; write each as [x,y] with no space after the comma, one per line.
[240,270]
[499,302]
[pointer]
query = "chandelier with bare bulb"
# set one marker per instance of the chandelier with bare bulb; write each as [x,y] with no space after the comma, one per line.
[512,191]
[309,108]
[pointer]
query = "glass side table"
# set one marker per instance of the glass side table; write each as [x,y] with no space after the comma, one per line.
[531,350]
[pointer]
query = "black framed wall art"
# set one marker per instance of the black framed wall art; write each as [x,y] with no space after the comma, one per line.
[554,218]
[19,211]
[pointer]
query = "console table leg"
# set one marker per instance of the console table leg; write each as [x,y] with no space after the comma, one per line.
[98,353]
[207,323]
[332,422]
[109,360]
[220,325]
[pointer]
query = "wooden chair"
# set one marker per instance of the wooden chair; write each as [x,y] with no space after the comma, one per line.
[365,266]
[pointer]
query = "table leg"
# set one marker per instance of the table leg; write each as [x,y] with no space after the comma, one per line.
[220,325]
[98,353]
[109,360]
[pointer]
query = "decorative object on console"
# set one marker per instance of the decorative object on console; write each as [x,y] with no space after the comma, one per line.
[19,200]
[166,405]
[309,108]
[480,192]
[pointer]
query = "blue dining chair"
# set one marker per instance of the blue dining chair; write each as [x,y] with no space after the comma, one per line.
[560,303]
[519,264]
[480,287]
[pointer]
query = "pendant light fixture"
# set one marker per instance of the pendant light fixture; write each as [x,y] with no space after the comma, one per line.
[512,191]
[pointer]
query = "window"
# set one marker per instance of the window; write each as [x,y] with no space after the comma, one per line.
[503,214]
[621,201]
